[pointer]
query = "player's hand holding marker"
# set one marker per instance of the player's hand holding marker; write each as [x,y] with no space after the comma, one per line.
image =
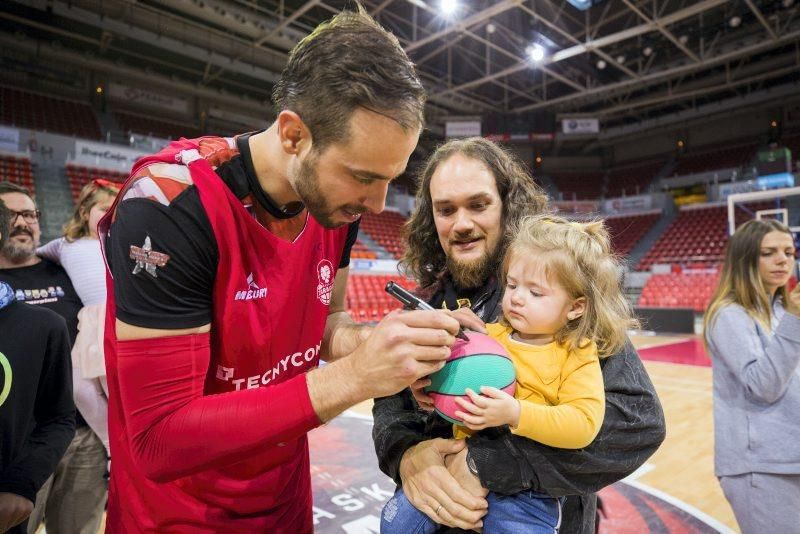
[402,348]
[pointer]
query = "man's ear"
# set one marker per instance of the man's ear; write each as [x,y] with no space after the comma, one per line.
[294,135]
[577,309]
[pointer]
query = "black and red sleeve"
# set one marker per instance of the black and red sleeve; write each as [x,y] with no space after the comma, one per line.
[176,294]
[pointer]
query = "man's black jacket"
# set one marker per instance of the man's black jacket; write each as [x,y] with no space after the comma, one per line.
[632,430]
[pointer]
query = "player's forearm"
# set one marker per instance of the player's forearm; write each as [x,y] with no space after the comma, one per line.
[335,388]
[175,431]
[342,336]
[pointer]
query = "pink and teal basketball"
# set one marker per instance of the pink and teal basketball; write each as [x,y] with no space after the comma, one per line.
[481,361]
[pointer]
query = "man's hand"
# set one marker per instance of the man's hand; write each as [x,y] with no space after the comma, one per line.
[467,318]
[457,466]
[403,347]
[424,400]
[14,509]
[433,490]
[494,409]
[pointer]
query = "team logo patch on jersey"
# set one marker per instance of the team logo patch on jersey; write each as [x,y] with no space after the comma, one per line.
[252,292]
[325,286]
[148,259]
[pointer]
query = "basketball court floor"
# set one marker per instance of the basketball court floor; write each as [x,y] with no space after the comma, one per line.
[674,492]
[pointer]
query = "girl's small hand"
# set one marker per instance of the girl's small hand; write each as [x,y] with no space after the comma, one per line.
[494,408]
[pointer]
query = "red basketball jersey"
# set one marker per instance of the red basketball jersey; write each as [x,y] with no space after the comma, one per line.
[270,304]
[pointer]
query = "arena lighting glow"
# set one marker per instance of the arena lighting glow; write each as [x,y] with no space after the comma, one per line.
[648,51]
[601,64]
[448,7]
[535,52]
[735,21]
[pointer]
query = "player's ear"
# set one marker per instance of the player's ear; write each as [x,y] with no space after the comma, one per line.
[295,137]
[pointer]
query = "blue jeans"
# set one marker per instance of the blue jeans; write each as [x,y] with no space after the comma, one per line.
[526,512]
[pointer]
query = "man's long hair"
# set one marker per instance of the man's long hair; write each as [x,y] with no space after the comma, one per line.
[424,259]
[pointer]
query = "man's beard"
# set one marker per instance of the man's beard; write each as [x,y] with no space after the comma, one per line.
[475,273]
[16,252]
[307,186]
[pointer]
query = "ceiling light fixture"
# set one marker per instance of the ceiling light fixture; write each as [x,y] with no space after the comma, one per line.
[448,7]
[535,52]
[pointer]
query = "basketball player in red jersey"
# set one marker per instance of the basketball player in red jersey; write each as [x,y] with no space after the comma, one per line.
[228,270]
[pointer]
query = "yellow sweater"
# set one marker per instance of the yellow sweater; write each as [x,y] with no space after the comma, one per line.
[560,392]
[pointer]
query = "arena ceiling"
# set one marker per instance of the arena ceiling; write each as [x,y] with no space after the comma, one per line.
[620,60]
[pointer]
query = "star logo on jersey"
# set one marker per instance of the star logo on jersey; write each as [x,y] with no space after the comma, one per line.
[147,259]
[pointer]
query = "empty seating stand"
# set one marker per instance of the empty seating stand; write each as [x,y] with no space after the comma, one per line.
[720,158]
[367,300]
[146,126]
[385,229]
[361,251]
[697,235]
[679,290]
[80,176]
[18,170]
[579,185]
[627,230]
[631,179]
[38,112]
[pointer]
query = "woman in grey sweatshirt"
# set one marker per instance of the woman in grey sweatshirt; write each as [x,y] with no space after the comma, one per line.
[753,336]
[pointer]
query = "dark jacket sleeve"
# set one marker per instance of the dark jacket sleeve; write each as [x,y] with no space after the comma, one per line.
[397,426]
[55,421]
[632,430]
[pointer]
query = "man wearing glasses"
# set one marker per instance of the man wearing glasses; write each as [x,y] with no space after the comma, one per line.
[35,280]
[75,494]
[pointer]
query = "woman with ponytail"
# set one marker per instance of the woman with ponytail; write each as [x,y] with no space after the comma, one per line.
[752,330]
[79,253]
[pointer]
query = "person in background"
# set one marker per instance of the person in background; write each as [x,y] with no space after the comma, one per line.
[79,254]
[470,193]
[229,260]
[563,309]
[72,499]
[752,331]
[37,415]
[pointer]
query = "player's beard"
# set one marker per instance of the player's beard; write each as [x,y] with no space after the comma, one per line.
[474,273]
[307,187]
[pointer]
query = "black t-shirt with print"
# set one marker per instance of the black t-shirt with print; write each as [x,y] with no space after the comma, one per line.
[46,284]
